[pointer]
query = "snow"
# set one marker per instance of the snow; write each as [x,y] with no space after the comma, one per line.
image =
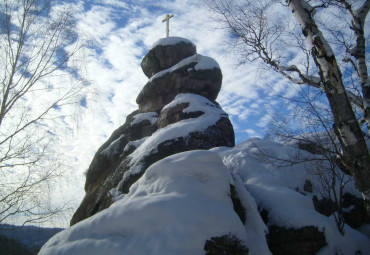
[178,204]
[275,189]
[255,228]
[151,116]
[112,149]
[184,200]
[135,143]
[203,63]
[212,113]
[171,41]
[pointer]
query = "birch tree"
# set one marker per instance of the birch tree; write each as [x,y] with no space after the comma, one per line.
[259,33]
[37,45]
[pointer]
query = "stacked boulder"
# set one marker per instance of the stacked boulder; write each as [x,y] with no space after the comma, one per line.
[172,195]
[177,112]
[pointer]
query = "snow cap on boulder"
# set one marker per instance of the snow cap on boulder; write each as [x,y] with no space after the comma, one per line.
[165,53]
[188,83]
[196,74]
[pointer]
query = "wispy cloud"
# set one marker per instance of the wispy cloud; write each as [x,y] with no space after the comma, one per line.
[122,33]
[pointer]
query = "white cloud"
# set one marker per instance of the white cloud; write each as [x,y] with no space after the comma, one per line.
[113,66]
[250,132]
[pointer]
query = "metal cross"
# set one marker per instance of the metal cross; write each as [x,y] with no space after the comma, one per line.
[167,19]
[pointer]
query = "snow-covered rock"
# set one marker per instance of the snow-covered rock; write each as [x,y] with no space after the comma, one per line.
[215,202]
[166,52]
[295,226]
[173,40]
[191,120]
[209,128]
[196,74]
[176,206]
[153,189]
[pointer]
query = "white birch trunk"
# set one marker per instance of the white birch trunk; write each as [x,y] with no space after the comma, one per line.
[358,52]
[356,155]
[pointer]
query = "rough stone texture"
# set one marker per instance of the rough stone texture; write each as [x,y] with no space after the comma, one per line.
[98,199]
[308,187]
[303,241]
[324,206]
[355,217]
[225,245]
[106,170]
[237,204]
[162,90]
[210,138]
[163,57]
[102,165]
[175,114]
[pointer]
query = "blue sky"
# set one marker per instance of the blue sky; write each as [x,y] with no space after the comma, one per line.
[120,34]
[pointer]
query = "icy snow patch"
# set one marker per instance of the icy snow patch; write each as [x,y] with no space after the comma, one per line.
[135,143]
[212,113]
[178,204]
[202,63]
[151,116]
[171,41]
[112,149]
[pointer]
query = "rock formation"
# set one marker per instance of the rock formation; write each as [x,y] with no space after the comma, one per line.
[183,86]
[171,191]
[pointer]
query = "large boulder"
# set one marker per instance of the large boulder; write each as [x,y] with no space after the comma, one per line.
[197,74]
[165,53]
[108,157]
[202,124]
[177,113]
[302,241]
[181,206]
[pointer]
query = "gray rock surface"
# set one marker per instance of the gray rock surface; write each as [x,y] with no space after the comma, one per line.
[162,89]
[162,57]
[120,161]
[307,240]
[226,244]
[353,211]
[105,163]
[303,241]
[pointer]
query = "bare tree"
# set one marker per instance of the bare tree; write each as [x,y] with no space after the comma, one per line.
[314,135]
[259,32]
[37,45]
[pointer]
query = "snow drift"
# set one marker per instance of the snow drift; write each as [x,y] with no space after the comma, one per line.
[178,204]
[184,200]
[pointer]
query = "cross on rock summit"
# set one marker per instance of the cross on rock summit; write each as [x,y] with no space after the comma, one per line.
[167,19]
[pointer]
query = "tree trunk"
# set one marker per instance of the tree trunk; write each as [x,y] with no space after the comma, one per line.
[356,155]
[358,18]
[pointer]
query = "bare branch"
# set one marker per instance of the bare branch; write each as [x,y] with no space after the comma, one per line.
[35,47]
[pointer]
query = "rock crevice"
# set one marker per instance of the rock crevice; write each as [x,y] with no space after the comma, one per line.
[177,112]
